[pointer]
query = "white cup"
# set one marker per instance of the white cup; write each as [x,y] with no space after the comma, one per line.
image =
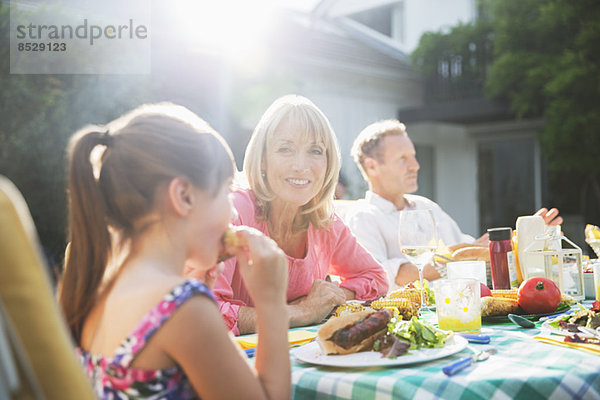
[597,280]
[467,269]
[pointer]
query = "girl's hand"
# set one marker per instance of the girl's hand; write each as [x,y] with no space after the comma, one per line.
[263,267]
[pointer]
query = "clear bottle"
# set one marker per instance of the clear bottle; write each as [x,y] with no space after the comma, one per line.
[502,259]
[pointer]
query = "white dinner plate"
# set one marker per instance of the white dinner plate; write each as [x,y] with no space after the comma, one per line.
[558,331]
[311,353]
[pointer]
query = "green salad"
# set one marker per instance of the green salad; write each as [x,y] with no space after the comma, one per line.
[584,316]
[428,290]
[403,336]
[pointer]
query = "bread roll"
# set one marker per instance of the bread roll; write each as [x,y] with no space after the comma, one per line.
[453,247]
[472,253]
[230,239]
[491,306]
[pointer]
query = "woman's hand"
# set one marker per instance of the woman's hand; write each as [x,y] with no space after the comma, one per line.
[263,267]
[409,273]
[317,304]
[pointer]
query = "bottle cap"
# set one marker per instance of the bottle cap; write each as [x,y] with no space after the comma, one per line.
[497,234]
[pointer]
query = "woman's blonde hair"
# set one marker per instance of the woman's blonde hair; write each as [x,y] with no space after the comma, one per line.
[114,173]
[306,118]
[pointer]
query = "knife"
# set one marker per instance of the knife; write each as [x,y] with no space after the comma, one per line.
[457,366]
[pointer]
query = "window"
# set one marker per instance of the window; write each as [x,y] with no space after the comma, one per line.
[378,19]
[506,180]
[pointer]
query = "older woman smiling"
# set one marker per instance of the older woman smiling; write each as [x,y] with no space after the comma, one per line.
[292,164]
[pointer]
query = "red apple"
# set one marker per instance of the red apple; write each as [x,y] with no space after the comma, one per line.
[484,290]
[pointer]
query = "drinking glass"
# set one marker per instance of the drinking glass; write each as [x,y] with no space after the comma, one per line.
[467,269]
[458,305]
[418,239]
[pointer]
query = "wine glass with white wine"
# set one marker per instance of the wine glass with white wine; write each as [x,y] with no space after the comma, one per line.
[418,239]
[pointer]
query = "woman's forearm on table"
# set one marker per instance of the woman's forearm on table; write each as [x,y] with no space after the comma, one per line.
[350,294]
[297,316]
[246,321]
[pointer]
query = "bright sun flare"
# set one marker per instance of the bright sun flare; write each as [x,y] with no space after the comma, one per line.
[234,28]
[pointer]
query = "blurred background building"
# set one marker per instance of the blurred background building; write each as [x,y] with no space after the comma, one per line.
[358,60]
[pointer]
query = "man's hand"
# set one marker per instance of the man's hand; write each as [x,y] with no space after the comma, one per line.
[483,239]
[550,217]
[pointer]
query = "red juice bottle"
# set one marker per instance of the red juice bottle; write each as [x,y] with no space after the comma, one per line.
[501,256]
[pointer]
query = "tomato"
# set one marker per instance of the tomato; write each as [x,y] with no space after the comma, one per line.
[538,295]
[484,290]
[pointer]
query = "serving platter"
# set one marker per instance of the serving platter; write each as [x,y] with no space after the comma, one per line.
[533,317]
[559,331]
[311,353]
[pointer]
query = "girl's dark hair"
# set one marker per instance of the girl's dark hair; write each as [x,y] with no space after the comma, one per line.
[114,172]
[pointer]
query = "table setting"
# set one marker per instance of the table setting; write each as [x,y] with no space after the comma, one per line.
[514,363]
[499,360]
[460,337]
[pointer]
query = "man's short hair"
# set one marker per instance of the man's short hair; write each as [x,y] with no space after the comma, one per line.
[368,141]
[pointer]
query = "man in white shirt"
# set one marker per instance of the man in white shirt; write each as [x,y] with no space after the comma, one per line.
[387,159]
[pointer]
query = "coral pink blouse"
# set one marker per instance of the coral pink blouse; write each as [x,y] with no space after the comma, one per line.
[333,250]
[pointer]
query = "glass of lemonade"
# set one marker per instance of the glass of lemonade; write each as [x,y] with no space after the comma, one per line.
[458,305]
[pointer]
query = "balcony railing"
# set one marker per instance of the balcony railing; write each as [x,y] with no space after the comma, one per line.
[455,64]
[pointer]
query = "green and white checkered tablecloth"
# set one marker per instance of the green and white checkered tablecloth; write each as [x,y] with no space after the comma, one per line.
[522,369]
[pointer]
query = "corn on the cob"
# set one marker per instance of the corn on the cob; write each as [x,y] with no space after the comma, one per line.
[414,295]
[387,302]
[394,310]
[403,307]
[348,308]
[507,294]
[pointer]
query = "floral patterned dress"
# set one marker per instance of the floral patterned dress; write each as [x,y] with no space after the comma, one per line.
[114,378]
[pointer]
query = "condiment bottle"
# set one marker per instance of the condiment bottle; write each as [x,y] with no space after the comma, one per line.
[502,259]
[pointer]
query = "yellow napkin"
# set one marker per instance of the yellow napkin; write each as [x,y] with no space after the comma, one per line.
[587,347]
[295,338]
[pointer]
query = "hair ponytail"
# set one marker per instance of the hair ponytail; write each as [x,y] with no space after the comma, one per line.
[111,195]
[89,238]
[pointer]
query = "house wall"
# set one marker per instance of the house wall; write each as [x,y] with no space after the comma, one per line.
[352,99]
[455,171]
[409,18]
[412,18]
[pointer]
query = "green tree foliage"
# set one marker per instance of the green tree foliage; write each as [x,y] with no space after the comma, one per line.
[468,45]
[547,64]
[38,114]
[541,57]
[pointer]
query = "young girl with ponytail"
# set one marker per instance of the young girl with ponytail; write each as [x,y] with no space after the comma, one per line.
[148,195]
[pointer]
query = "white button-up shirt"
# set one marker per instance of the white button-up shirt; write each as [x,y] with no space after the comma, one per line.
[375,222]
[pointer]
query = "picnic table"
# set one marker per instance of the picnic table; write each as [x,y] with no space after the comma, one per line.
[523,368]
